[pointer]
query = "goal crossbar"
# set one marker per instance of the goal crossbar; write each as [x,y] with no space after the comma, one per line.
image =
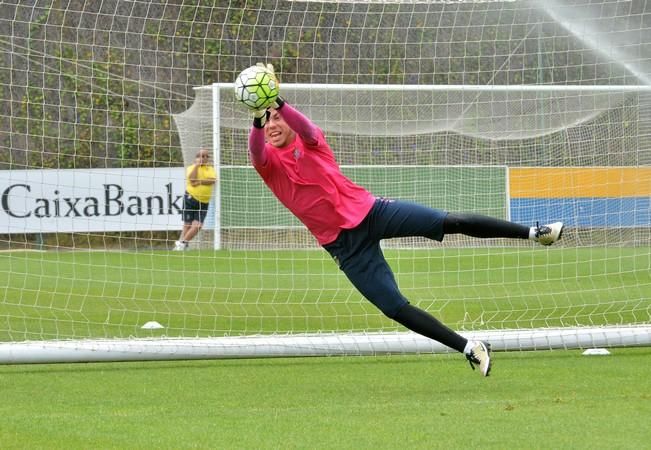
[303,345]
[451,87]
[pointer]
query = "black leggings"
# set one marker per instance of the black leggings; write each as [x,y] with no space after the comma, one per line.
[359,256]
[476,225]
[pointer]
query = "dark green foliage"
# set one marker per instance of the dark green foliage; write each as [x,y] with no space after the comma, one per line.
[93,84]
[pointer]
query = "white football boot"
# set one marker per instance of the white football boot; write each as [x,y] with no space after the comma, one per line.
[548,234]
[480,354]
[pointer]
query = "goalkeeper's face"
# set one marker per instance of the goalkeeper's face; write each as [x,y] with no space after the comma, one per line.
[276,131]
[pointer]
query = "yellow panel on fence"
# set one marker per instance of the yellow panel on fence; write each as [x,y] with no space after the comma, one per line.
[573,182]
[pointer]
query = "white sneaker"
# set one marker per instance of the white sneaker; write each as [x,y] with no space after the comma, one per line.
[179,246]
[480,354]
[548,234]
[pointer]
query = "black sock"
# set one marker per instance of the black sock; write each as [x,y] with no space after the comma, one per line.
[480,226]
[423,323]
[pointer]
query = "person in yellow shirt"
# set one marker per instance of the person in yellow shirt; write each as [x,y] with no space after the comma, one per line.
[200,179]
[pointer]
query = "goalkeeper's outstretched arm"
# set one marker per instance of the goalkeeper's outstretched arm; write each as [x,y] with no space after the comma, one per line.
[257,151]
[298,122]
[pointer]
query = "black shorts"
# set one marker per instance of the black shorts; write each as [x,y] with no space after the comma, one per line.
[193,209]
[358,254]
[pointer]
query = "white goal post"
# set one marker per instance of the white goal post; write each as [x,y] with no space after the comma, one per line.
[304,345]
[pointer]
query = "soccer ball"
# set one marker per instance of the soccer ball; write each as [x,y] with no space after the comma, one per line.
[256,87]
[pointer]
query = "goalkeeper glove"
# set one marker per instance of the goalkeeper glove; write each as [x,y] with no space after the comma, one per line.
[260,117]
[268,67]
[279,103]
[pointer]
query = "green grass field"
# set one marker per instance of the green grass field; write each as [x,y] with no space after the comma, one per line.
[547,399]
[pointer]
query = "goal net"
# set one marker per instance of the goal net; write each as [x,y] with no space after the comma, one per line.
[527,111]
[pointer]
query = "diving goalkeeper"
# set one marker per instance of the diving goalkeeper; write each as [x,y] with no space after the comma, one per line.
[293,158]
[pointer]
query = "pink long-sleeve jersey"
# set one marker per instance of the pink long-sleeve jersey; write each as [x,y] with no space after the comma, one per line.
[306,178]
